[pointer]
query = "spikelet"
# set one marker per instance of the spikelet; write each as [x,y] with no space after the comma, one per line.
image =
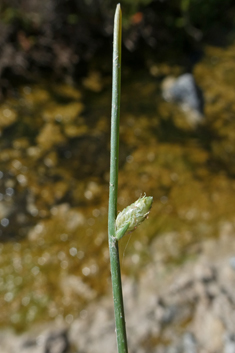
[133,215]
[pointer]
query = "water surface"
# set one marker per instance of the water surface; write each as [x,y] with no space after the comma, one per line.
[54,173]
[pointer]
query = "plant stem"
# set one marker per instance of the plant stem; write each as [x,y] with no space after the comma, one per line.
[113,187]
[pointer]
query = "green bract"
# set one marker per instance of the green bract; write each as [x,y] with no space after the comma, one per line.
[132,216]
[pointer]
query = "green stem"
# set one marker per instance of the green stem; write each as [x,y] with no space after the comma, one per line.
[113,243]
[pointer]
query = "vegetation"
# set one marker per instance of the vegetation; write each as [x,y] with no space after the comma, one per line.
[141,207]
[60,191]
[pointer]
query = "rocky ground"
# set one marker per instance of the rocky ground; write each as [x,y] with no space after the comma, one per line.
[189,309]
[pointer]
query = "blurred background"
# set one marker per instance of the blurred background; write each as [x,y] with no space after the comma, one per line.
[177,143]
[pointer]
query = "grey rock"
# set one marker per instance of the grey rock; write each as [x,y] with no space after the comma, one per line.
[188,310]
[232,262]
[173,349]
[229,344]
[189,343]
[185,92]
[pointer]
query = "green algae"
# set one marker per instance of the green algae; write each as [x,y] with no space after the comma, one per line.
[54,156]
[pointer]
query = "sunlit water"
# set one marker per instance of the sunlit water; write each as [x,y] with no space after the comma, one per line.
[54,172]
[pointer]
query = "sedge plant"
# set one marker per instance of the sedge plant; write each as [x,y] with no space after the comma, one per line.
[134,214]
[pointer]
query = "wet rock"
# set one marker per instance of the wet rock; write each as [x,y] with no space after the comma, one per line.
[5,209]
[64,216]
[49,136]
[36,232]
[73,130]
[73,284]
[64,113]
[51,159]
[92,190]
[7,116]
[185,92]
[93,82]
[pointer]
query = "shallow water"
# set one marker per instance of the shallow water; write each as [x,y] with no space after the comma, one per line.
[54,164]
